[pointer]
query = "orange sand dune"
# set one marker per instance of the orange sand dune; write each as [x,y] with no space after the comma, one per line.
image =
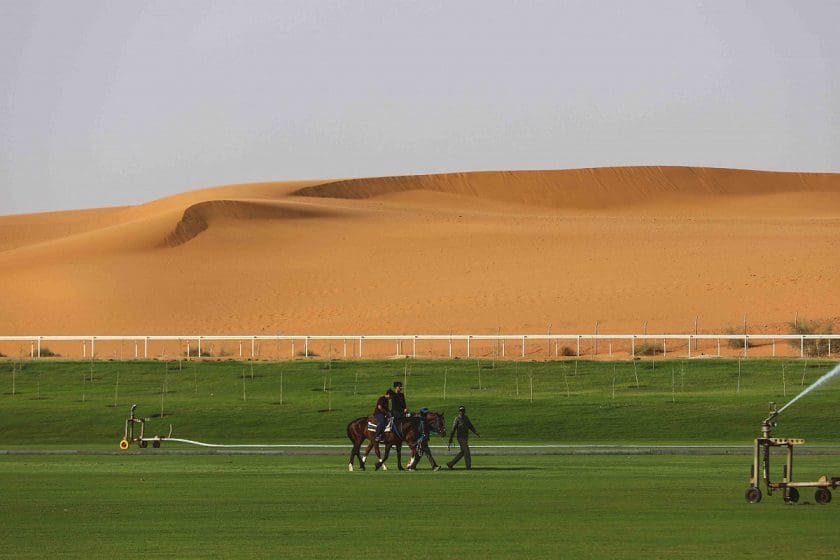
[516,252]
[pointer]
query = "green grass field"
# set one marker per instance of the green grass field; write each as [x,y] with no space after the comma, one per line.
[310,507]
[593,506]
[81,405]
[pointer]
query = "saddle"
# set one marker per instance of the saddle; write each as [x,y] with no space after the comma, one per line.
[372,426]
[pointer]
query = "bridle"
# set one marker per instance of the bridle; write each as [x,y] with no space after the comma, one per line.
[438,426]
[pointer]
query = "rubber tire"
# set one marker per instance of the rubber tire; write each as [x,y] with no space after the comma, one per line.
[144,444]
[155,444]
[791,495]
[822,496]
[753,495]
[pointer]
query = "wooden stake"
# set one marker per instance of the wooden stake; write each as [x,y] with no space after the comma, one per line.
[566,381]
[531,381]
[444,382]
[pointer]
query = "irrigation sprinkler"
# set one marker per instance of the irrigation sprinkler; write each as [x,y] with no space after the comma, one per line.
[761,464]
[140,438]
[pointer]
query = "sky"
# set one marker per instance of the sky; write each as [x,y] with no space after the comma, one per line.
[107,103]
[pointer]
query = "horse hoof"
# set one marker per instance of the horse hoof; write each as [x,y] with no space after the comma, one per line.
[384,467]
[350,467]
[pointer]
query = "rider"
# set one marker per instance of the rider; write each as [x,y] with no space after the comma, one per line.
[380,413]
[398,407]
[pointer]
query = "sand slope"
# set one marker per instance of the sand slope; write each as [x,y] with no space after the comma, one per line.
[463,252]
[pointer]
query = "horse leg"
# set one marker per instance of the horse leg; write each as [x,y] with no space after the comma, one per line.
[385,457]
[371,445]
[412,462]
[353,453]
[399,456]
[379,459]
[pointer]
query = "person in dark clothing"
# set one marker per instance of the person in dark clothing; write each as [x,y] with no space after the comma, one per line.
[398,406]
[380,413]
[462,428]
[425,432]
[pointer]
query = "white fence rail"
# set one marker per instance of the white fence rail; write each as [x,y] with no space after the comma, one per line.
[248,344]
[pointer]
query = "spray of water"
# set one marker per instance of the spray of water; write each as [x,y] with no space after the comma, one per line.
[813,386]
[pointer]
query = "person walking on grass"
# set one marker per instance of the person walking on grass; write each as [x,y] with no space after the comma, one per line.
[462,428]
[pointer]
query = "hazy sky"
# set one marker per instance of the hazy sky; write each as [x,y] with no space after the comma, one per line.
[113,102]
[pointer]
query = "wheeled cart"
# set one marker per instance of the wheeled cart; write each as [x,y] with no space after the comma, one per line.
[140,439]
[761,464]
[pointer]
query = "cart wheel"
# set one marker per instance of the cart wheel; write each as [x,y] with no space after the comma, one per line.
[822,495]
[753,495]
[143,443]
[123,444]
[156,444]
[791,495]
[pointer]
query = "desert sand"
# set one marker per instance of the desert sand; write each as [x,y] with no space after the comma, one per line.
[472,253]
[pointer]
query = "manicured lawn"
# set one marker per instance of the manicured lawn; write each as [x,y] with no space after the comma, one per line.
[246,506]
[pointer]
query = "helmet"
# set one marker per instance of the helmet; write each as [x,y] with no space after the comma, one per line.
[462,409]
[397,384]
[424,410]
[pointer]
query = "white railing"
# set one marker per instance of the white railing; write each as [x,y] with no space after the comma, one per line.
[501,343]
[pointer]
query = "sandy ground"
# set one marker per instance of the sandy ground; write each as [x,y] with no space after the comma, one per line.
[653,248]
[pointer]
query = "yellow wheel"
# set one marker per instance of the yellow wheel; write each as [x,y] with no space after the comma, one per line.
[124,444]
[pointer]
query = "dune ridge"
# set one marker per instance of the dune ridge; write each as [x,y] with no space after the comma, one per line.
[458,252]
[198,217]
[591,188]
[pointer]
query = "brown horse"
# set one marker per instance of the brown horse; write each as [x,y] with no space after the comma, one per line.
[404,430]
[435,424]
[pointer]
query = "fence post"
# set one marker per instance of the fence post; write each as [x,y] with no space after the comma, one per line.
[146,348]
[360,346]
[633,346]
[802,346]
[578,346]
[689,346]
[469,338]
[39,346]
[523,345]
[92,348]
[414,348]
